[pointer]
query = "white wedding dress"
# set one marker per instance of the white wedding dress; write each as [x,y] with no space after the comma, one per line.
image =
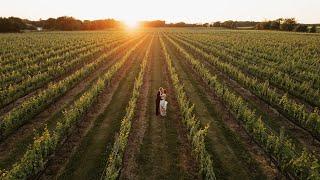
[163,105]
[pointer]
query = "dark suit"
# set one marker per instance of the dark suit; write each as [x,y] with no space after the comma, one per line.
[158,103]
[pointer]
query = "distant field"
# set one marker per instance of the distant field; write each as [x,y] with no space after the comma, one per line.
[81,105]
[246,28]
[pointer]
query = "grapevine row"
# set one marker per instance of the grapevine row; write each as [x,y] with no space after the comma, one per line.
[300,165]
[196,133]
[32,106]
[295,112]
[299,71]
[303,90]
[274,47]
[14,92]
[16,76]
[114,164]
[42,49]
[36,157]
[22,50]
[16,65]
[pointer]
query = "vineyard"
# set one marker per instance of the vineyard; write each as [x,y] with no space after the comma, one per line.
[81,105]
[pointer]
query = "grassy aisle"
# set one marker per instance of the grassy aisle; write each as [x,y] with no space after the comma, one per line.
[230,158]
[162,152]
[12,148]
[89,160]
[269,114]
[137,131]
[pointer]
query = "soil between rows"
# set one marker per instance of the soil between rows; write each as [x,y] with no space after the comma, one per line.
[278,88]
[138,128]
[20,100]
[271,116]
[165,152]
[12,148]
[233,153]
[88,157]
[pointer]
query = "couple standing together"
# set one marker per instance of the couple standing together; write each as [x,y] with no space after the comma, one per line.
[161,103]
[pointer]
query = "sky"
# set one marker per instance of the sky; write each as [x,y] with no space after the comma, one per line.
[190,11]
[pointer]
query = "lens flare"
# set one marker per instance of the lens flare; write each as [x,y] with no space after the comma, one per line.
[131,24]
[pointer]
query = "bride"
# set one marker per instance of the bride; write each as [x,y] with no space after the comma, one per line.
[163,103]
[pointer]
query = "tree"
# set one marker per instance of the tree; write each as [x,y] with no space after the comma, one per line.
[68,23]
[246,23]
[229,24]
[206,25]
[49,23]
[288,24]
[313,29]
[301,28]
[263,25]
[216,24]
[11,24]
[275,25]
[156,23]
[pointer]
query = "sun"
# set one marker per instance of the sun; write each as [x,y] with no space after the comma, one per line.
[132,24]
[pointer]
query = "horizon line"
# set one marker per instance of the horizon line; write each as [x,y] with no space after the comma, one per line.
[155,19]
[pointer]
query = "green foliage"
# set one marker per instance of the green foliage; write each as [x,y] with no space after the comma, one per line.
[32,106]
[292,109]
[114,164]
[196,133]
[35,157]
[17,81]
[301,28]
[278,146]
[288,24]
[11,24]
[313,29]
[43,146]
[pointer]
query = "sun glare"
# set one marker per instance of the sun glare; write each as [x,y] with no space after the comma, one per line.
[132,24]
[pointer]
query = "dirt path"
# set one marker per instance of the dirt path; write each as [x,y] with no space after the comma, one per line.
[88,159]
[279,89]
[270,115]
[15,145]
[234,157]
[165,152]
[20,100]
[129,169]
[273,118]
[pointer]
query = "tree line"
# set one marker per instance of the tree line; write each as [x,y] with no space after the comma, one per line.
[227,24]
[283,24]
[234,24]
[13,24]
[289,24]
[160,23]
[66,23]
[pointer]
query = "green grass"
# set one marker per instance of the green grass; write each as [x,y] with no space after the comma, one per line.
[230,158]
[276,124]
[159,154]
[23,144]
[90,159]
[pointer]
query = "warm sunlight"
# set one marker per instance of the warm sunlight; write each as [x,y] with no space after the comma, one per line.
[133,89]
[170,10]
[131,24]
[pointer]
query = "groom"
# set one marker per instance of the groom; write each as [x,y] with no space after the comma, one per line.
[158,101]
